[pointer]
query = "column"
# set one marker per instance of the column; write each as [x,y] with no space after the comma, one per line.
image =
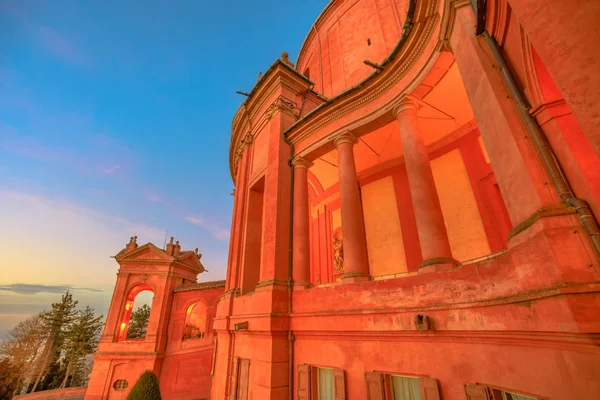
[426,204]
[356,261]
[301,248]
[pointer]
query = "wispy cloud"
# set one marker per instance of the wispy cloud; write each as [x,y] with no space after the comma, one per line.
[91,154]
[54,42]
[66,209]
[110,169]
[60,46]
[215,230]
[24,288]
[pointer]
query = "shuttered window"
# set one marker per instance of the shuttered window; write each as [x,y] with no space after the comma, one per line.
[482,392]
[315,383]
[304,382]
[382,386]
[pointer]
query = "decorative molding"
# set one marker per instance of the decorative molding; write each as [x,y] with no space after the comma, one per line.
[406,104]
[281,104]
[301,162]
[423,32]
[344,137]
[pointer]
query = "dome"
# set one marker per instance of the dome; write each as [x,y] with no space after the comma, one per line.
[345,34]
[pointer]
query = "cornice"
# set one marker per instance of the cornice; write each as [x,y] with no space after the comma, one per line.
[277,76]
[416,36]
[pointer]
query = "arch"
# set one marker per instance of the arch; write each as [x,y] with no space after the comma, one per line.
[196,320]
[129,308]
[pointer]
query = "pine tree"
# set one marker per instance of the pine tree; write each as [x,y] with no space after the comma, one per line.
[138,323]
[57,322]
[146,388]
[80,340]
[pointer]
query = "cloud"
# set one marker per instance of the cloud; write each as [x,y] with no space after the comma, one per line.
[110,169]
[24,288]
[63,210]
[216,231]
[89,154]
[60,46]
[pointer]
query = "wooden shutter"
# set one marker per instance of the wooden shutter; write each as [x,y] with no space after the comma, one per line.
[476,392]
[233,381]
[339,384]
[429,388]
[304,382]
[375,386]
[244,379]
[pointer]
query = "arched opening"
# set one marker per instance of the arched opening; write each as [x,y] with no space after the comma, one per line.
[136,313]
[195,321]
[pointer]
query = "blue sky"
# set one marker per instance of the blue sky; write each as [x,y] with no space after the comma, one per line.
[115,121]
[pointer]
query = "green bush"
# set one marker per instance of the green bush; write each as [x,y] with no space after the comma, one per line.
[146,388]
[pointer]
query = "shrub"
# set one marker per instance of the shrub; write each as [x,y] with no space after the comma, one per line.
[146,388]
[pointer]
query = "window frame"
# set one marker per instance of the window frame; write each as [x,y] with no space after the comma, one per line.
[429,387]
[311,391]
[120,385]
[491,389]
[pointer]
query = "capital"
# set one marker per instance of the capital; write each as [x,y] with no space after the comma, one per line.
[406,105]
[301,162]
[345,137]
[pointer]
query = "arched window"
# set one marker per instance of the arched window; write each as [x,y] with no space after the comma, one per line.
[136,315]
[195,321]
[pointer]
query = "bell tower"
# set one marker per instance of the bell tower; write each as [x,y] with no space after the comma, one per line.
[122,358]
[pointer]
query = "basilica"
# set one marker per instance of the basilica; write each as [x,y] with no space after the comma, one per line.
[416,213]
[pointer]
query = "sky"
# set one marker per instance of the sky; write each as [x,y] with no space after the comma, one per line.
[115,120]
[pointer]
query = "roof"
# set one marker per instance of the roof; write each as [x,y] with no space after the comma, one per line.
[190,287]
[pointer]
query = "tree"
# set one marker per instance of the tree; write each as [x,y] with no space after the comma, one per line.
[80,340]
[138,323]
[9,379]
[57,322]
[146,388]
[22,348]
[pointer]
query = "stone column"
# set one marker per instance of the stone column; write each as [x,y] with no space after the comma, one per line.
[301,248]
[356,261]
[426,204]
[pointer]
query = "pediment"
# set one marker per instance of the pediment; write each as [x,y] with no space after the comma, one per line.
[146,252]
[191,259]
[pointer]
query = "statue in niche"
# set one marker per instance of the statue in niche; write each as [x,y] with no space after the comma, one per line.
[338,254]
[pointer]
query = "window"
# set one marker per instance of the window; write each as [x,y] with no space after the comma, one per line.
[384,386]
[405,388]
[317,383]
[254,229]
[323,379]
[482,392]
[120,384]
[195,321]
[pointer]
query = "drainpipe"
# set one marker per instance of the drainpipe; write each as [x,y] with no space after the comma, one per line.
[546,153]
[290,271]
